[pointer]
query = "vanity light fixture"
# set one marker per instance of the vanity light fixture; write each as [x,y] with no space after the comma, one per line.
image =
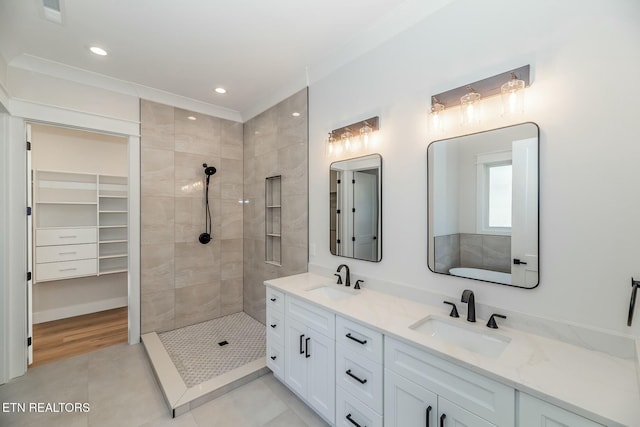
[345,140]
[470,97]
[470,103]
[436,115]
[513,96]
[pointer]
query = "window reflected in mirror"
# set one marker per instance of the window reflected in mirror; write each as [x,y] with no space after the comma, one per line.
[355,194]
[483,206]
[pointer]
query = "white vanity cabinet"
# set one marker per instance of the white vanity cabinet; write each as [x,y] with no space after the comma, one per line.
[309,353]
[275,332]
[418,384]
[534,412]
[359,374]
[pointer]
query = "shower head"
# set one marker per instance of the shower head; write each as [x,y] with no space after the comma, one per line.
[208,170]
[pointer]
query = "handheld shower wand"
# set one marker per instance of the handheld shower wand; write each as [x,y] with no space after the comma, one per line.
[205,237]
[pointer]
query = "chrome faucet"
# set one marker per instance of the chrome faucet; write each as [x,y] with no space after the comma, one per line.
[470,299]
[347,277]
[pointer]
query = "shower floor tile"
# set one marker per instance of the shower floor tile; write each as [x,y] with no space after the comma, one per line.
[198,356]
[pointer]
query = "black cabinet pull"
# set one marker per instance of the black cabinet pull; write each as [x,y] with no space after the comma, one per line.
[273,299]
[355,378]
[274,325]
[352,421]
[301,350]
[442,417]
[428,415]
[355,339]
[516,261]
[306,348]
[273,358]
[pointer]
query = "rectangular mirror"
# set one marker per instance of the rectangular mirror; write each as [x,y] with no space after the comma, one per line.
[355,208]
[483,206]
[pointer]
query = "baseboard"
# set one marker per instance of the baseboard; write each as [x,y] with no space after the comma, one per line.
[79,309]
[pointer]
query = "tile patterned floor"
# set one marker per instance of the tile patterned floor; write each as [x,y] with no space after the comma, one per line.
[119,386]
[197,356]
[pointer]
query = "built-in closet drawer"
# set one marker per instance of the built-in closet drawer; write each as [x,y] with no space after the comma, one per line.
[275,326]
[275,300]
[66,269]
[350,412]
[66,236]
[312,316]
[275,359]
[360,377]
[358,338]
[491,400]
[65,252]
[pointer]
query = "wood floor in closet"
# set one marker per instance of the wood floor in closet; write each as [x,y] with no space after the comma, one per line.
[69,337]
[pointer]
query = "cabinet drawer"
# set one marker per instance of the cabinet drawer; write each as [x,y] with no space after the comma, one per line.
[350,411]
[314,317]
[359,376]
[66,236]
[358,338]
[275,300]
[275,326]
[65,252]
[482,396]
[275,359]
[65,270]
[534,412]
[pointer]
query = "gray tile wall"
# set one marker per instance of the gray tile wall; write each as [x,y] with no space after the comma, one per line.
[275,143]
[483,251]
[184,282]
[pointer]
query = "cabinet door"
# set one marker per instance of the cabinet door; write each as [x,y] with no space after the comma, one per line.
[320,356]
[295,368]
[407,404]
[451,415]
[537,413]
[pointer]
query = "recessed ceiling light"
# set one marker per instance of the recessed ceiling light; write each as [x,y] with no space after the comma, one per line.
[295,114]
[191,118]
[98,50]
[221,90]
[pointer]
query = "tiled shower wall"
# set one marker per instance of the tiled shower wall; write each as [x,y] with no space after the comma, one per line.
[275,143]
[484,251]
[183,281]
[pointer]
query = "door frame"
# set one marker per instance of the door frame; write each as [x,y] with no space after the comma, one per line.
[14,356]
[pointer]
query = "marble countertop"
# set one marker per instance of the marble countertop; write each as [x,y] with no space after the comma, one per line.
[596,385]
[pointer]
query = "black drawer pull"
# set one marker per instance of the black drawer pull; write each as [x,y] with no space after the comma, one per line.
[306,348]
[355,378]
[442,417]
[352,421]
[301,350]
[273,358]
[428,415]
[274,325]
[355,339]
[273,299]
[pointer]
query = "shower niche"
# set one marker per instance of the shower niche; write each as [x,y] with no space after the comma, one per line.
[273,216]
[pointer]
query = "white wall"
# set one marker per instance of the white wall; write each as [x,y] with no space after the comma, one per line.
[63,149]
[580,52]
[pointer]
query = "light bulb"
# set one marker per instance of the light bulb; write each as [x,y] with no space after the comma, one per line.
[513,96]
[365,131]
[436,115]
[470,107]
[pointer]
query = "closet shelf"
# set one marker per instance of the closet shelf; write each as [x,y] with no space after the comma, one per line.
[113,211]
[274,206]
[113,241]
[112,226]
[112,256]
[273,235]
[109,196]
[120,270]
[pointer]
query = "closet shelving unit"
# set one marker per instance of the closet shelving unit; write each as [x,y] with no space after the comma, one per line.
[80,224]
[273,216]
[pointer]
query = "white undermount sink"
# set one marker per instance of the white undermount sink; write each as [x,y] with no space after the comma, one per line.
[334,292]
[472,337]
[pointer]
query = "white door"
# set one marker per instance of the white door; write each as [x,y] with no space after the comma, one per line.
[365,217]
[406,404]
[320,356]
[452,415]
[29,251]
[295,370]
[524,222]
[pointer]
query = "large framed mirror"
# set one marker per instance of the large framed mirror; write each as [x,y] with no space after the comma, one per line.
[484,206]
[355,208]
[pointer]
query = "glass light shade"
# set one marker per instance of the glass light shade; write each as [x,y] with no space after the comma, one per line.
[470,108]
[346,140]
[437,111]
[331,146]
[513,97]
[365,133]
